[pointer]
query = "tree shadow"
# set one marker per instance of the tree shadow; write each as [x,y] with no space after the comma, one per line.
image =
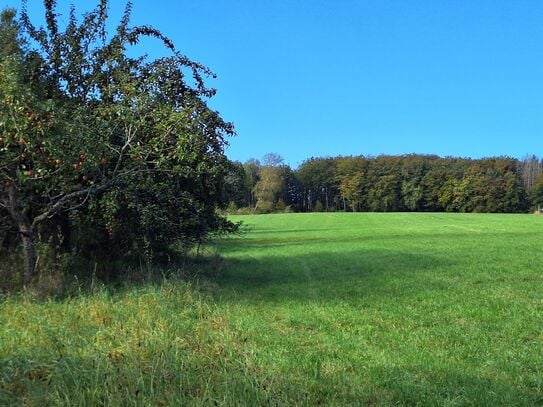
[322,276]
[297,238]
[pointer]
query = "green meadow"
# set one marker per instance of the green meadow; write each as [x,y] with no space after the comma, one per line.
[302,309]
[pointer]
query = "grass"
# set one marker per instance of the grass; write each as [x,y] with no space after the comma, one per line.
[308,309]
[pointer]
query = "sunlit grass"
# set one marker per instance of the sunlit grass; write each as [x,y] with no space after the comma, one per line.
[345,309]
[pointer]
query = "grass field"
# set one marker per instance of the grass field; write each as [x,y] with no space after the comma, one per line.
[303,309]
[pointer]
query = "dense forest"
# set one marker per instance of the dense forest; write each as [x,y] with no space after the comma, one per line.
[386,183]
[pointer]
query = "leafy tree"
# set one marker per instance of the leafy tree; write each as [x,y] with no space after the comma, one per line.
[319,183]
[124,144]
[252,169]
[487,185]
[385,194]
[412,195]
[531,168]
[431,184]
[290,196]
[412,172]
[270,182]
[351,175]
[236,186]
[536,193]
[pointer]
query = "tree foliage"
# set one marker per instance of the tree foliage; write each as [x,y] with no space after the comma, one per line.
[124,150]
[270,183]
[536,193]
[406,183]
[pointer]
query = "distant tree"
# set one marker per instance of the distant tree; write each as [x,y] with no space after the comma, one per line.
[447,195]
[531,168]
[351,178]
[536,193]
[384,195]
[291,191]
[413,170]
[412,195]
[270,182]
[384,191]
[272,160]
[487,185]
[431,184]
[236,188]
[318,181]
[252,169]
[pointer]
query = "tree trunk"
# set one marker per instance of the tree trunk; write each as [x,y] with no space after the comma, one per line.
[29,252]
[26,231]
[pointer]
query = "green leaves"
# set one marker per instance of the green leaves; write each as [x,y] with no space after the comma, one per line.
[109,140]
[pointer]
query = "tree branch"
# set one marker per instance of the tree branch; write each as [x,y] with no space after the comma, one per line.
[55,208]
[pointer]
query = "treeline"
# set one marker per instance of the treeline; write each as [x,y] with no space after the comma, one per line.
[418,183]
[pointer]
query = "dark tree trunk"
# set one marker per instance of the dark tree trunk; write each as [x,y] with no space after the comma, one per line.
[29,252]
[26,231]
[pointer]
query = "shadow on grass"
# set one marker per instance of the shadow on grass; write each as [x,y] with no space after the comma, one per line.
[295,238]
[59,285]
[327,275]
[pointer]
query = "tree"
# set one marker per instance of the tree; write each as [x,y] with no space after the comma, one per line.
[384,195]
[289,196]
[530,169]
[536,193]
[318,179]
[108,139]
[252,169]
[10,55]
[236,186]
[413,169]
[351,177]
[431,184]
[270,182]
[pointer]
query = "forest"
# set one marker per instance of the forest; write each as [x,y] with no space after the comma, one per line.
[411,183]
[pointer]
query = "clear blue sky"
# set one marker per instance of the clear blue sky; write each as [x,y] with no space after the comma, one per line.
[325,78]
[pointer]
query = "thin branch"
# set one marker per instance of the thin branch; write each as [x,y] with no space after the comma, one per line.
[59,204]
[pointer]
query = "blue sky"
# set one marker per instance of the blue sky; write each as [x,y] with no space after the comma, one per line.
[325,78]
